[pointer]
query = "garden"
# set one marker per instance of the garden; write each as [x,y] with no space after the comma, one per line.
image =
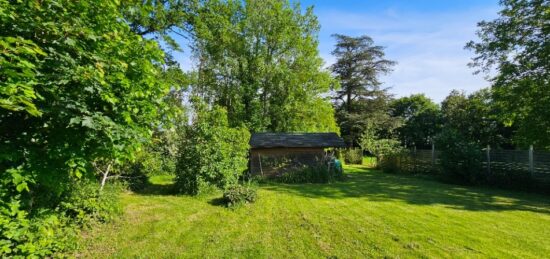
[126,127]
[369,214]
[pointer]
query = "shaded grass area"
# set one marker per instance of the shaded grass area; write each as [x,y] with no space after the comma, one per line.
[370,214]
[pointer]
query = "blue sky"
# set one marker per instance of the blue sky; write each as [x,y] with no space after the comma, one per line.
[425,37]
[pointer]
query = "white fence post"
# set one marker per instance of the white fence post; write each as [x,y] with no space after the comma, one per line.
[433,154]
[531,162]
[489,159]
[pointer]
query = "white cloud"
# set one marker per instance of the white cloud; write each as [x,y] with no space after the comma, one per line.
[429,47]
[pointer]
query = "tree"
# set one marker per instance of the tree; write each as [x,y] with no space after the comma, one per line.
[360,100]
[213,154]
[421,119]
[78,88]
[96,88]
[259,60]
[516,45]
[475,118]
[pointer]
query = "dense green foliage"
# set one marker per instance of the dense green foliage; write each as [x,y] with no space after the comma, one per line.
[421,120]
[259,60]
[360,102]
[460,157]
[238,194]
[213,154]
[353,156]
[312,174]
[79,89]
[515,46]
[475,118]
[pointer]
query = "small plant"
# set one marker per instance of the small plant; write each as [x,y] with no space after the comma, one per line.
[238,194]
[353,156]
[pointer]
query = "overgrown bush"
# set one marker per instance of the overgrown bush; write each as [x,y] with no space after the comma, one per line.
[353,156]
[461,159]
[212,154]
[43,232]
[311,174]
[42,235]
[238,194]
[86,202]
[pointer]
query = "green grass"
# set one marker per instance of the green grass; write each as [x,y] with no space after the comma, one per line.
[371,214]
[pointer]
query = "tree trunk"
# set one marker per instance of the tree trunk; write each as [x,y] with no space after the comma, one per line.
[105,175]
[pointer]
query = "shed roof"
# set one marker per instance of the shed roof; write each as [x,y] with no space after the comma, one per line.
[289,140]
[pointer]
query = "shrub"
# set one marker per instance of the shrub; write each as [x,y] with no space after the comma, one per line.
[353,156]
[311,174]
[460,158]
[212,154]
[391,163]
[43,232]
[40,236]
[86,202]
[237,194]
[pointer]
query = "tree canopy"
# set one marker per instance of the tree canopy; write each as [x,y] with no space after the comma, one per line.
[259,60]
[360,102]
[516,47]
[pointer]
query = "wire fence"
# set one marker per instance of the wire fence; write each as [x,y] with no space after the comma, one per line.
[494,161]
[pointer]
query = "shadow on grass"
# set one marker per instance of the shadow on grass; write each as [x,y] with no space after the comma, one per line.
[366,183]
[217,202]
[158,185]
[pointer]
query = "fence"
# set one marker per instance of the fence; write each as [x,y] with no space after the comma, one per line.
[494,161]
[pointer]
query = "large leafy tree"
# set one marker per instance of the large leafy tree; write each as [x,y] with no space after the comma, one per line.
[516,47]
[361,103]
[259,60]
[92,92]
[474,117]
[421,119]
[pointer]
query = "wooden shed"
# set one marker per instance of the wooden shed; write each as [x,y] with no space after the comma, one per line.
[272,154]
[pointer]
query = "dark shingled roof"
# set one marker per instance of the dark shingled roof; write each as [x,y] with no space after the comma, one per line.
[274,140]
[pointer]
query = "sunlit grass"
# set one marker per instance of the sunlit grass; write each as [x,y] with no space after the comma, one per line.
[371,214]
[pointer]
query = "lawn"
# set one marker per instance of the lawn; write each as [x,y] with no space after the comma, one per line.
[371,214]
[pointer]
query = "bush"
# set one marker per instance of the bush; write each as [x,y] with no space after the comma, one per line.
[237,194]
[461,159]
[353,156]
[311,174]
[212,154]
[46,231]
[391,163]
[40,236]
[86,203]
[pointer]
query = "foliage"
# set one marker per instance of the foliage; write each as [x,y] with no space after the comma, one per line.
[353,156]
[237,194]
[99,91]
[515,46]
[360,101]
[421,120]
[311,174]
[259,60]
[77,86]
[475,118]
[387,151]
[213,153]
[50,231]
[86,203]
[460,157]
[39,236]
